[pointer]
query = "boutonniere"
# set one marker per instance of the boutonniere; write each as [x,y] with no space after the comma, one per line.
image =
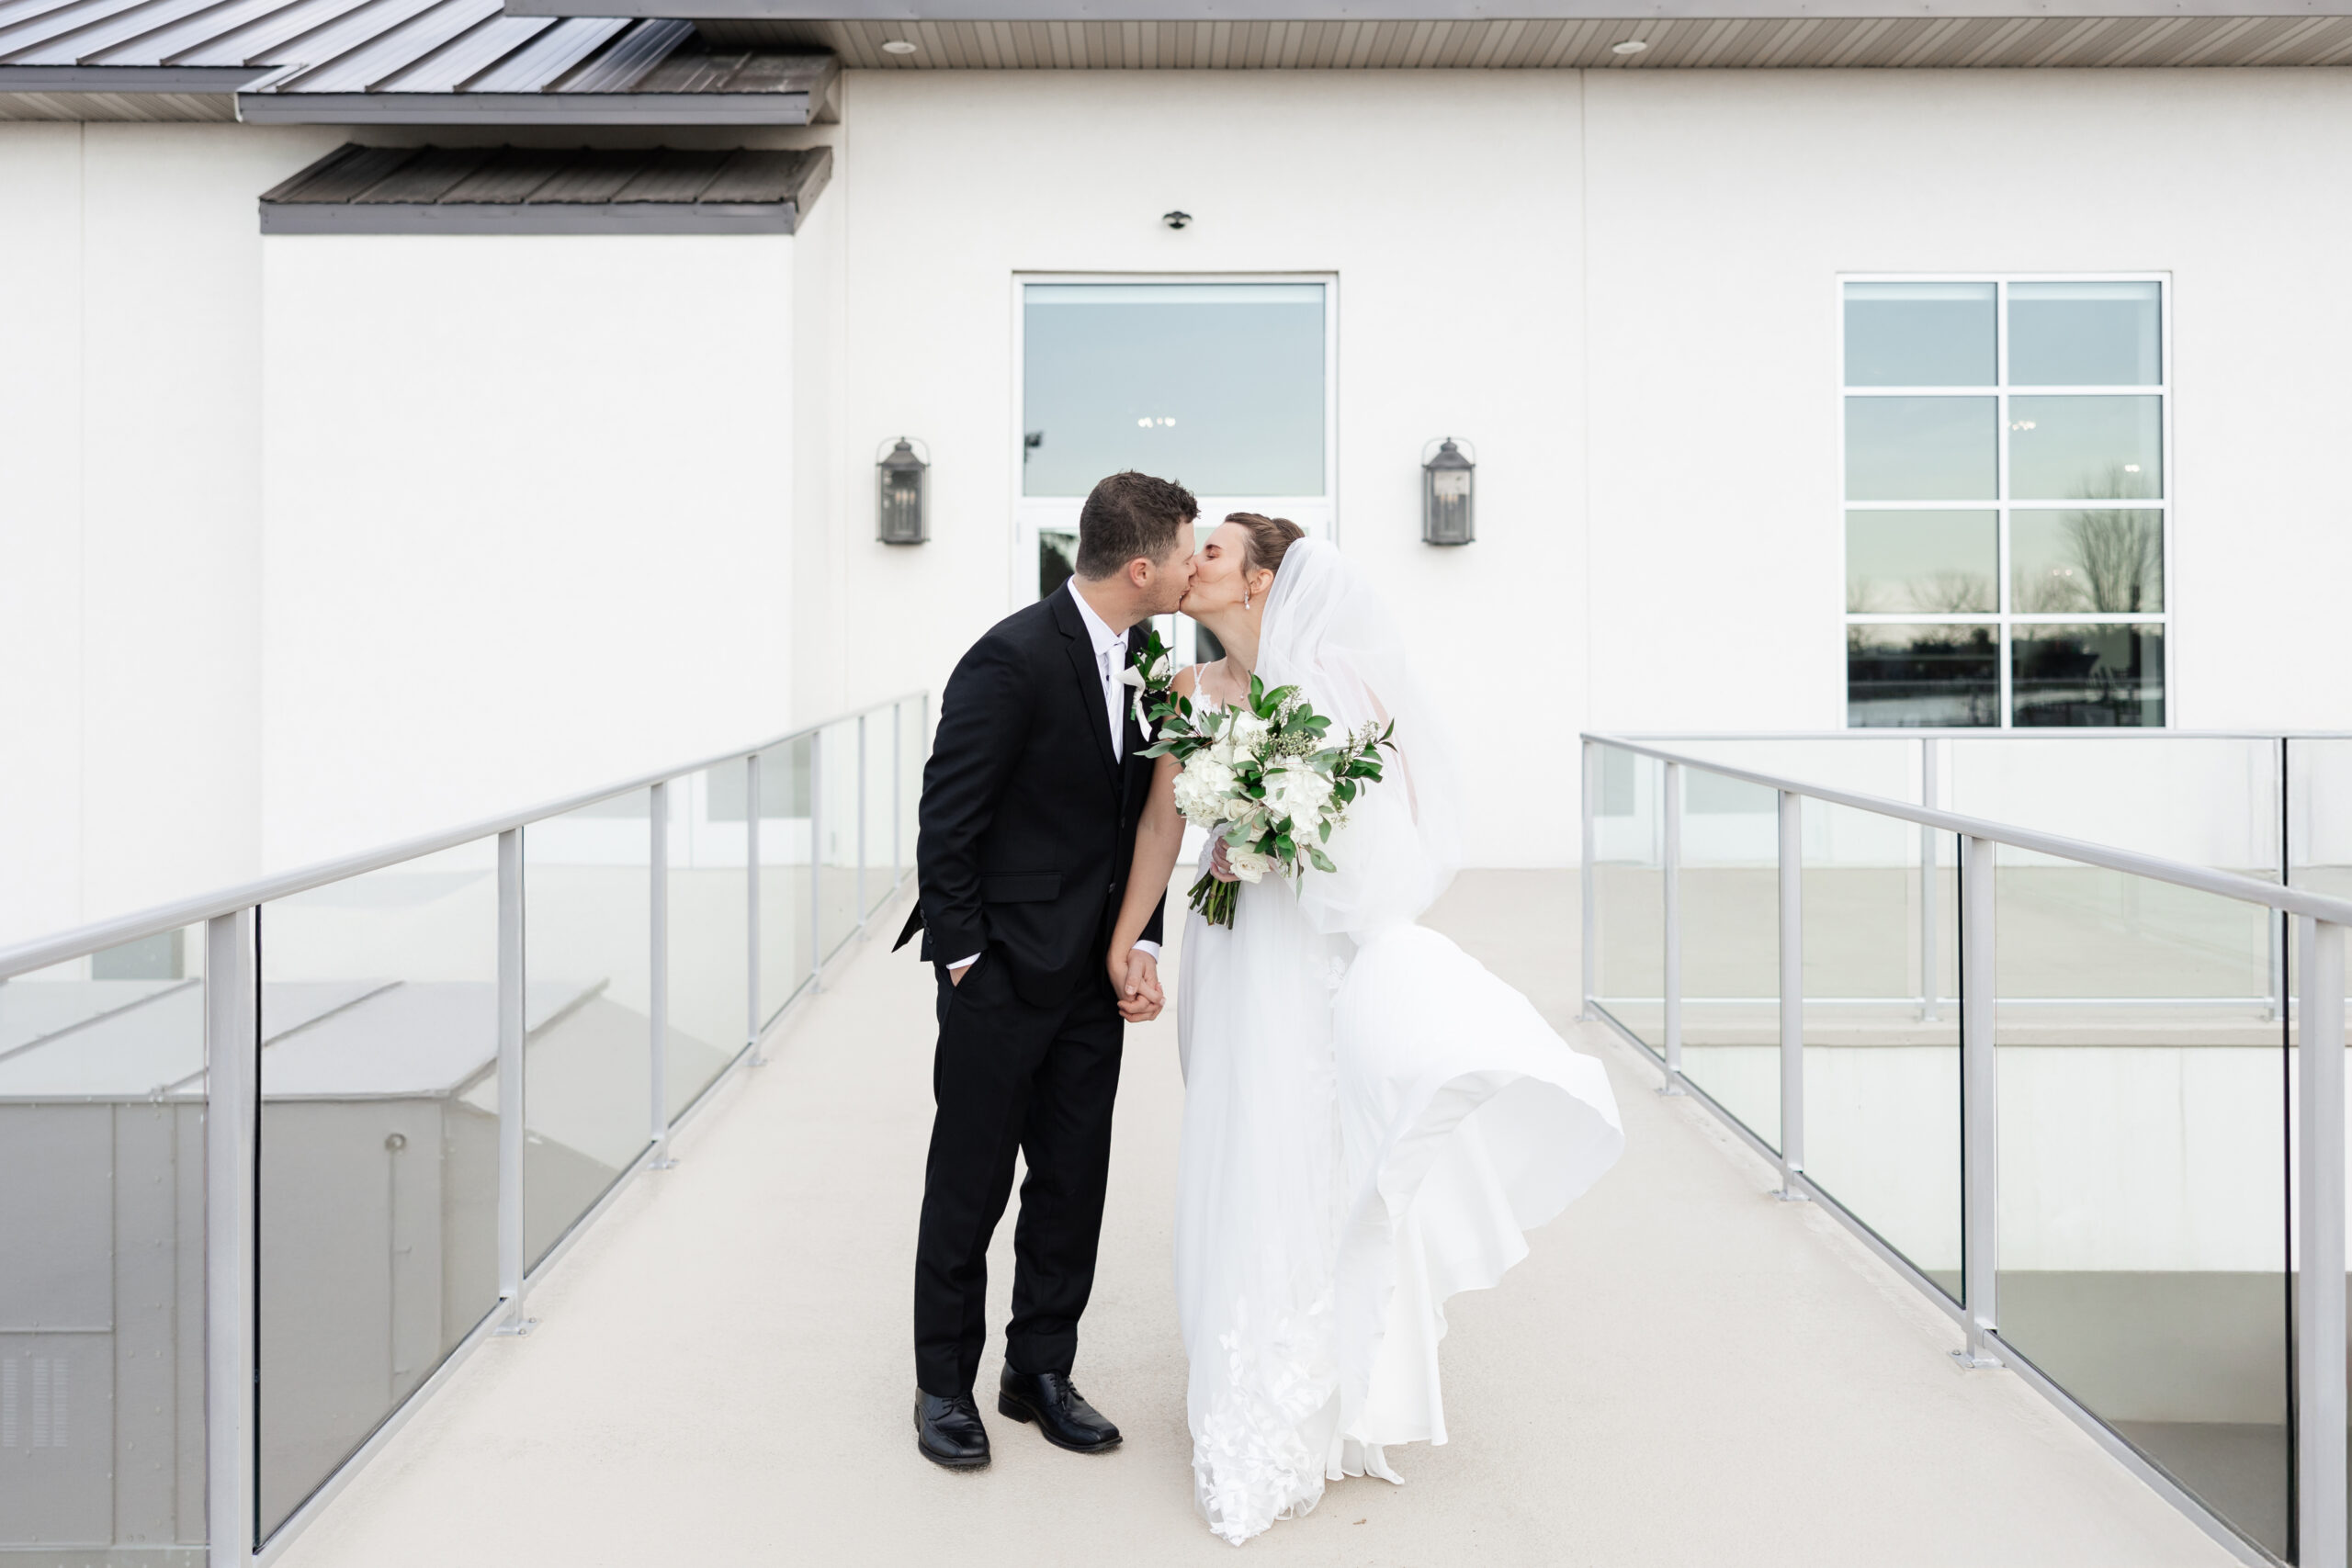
[1150,675]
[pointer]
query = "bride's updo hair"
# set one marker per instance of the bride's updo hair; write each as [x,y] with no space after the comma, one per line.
[1270,540]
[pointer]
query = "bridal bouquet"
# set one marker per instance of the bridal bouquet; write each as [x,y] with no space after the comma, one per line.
[1268,779]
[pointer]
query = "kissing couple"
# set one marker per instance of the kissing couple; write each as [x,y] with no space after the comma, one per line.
[1372,1121]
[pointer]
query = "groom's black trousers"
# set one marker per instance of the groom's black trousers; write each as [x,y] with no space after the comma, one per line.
[1008,1076]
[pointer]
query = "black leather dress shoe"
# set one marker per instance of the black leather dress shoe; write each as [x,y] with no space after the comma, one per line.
[948,1431]
[1060,1410]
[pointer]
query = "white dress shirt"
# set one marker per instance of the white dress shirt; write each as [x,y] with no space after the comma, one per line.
[1110,658]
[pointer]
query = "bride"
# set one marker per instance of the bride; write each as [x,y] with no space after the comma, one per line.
[1372,1120]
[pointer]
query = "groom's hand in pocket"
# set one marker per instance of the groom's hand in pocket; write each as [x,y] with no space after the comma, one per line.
[1140,998]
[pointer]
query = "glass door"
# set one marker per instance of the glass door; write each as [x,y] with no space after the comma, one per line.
[1223,386]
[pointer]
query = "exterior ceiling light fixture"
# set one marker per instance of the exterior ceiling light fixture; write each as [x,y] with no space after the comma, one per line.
[900,46]
[1446,494]
[1175,220]
[1624,46]
[899,489]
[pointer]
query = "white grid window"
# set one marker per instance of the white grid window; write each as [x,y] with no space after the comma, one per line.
[2007,515]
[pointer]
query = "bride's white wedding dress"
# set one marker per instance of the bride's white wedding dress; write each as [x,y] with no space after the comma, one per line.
[1372,1120]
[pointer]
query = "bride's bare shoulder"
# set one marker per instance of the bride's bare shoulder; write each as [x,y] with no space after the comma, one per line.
[1187,681]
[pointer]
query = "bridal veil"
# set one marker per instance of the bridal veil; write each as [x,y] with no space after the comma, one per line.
[1372,1121]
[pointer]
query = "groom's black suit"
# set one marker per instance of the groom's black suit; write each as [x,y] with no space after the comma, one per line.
[1028,828]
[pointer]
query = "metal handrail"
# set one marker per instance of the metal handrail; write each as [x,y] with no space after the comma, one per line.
[42,952]
[2204,879]
[2318,1353]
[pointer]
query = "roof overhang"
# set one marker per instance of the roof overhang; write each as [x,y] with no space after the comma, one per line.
[532,190]
[525,109]
[128,78]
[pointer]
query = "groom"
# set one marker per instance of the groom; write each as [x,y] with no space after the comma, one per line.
[1029,809]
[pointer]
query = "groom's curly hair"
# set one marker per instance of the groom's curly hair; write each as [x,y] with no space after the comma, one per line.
[1130,517]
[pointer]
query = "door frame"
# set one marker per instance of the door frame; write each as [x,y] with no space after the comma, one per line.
[1031,515]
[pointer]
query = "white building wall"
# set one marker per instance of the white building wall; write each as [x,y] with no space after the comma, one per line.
[527,520]
[130,517]
[1446,203]
[442,515]
[1723,204]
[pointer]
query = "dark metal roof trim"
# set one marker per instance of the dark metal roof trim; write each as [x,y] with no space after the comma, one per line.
[1237,13]
[526,108]
[519,218]
[530,190]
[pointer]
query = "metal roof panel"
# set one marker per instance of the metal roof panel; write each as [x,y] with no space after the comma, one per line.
[546,57]
[618,67]
[366,66]
[470,53]
[429,175]
[674,174]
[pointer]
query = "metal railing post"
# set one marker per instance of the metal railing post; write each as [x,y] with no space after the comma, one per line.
[1670,867]
[511,1089]
[752,908]
[231,1116]
[1792,995]
[859,884]
[2275,927]
[2319,1233]
[1591,981]
[1929,754]
[815,860]
[659,989]
[1980,1109]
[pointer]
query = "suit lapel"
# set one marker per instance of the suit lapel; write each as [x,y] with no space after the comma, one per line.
[1090,679]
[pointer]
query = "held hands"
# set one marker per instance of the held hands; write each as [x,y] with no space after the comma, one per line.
[1220,867]
[1135,976]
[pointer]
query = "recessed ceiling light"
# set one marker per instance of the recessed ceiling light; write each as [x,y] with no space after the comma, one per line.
[900,46]
[1629,46]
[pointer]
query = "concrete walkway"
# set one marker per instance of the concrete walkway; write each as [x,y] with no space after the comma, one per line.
[1684,1372]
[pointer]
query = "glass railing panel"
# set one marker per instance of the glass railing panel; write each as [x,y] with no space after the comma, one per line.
[2142,1167]
[2319,815]
[1628,892]
[379,1151]
[587,962]
[102,1257]
[1865,763]
[710,937]
[914,749]
[1881,1030]
[1731,965]
[2208,801]
[880,731]
[838,802]
[785,921]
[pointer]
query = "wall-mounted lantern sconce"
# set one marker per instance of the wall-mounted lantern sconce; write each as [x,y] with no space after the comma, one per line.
[1446,494]
[899,486]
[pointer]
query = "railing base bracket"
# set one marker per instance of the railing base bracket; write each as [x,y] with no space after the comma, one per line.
[1972,1362]
[515,1330]
[1671,1090]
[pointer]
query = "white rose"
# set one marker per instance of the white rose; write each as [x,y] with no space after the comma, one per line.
[1236,806]
[1248,730]
[1247,864]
